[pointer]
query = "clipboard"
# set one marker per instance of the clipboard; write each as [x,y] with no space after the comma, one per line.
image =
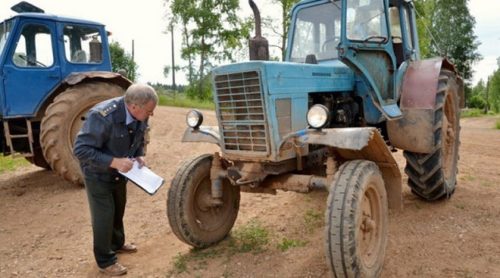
[144,178]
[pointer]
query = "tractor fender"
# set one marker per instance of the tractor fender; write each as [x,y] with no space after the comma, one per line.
[79,77]
[413,132]
[208,134]
[361,143]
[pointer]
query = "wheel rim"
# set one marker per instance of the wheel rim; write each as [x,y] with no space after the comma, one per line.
[369,238]
[448,136]
[76,124]
[208,217]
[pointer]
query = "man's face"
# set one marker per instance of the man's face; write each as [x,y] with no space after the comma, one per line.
[142,112]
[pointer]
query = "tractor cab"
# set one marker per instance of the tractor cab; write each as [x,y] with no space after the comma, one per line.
[38,51]
[373,39]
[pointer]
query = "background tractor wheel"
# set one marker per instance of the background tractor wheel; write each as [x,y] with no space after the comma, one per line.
[356,221]
[191,216]
[62,121]
[433,176]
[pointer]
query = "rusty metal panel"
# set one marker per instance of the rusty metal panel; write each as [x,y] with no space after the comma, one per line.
[376,150]
[420,84]
[344,138]
[284,116]
[414,132]
[209,134]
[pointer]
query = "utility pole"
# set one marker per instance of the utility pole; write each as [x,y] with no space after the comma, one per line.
[173,57]
[133,50]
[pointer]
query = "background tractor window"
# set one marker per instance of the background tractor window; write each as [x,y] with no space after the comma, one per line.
[34,47]
[82,44]
[5,30]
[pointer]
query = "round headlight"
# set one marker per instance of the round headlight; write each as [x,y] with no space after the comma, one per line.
[194,118]
[318,116]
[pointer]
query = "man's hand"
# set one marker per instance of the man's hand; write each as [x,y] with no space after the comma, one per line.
[141,161]
[122,164]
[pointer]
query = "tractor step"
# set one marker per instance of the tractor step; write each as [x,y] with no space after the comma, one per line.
[9,137]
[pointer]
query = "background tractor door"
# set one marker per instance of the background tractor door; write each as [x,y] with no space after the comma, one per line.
[366,46]
[31,68]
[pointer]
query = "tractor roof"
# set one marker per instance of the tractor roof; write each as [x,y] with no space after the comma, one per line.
[55,18]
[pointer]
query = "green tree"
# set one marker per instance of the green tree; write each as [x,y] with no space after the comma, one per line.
[477,97]
[423,10]
[494,91]
[212,31]
[280,28]
[452,26]
[122,61]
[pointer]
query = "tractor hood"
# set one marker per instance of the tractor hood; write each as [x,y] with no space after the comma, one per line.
[295,78]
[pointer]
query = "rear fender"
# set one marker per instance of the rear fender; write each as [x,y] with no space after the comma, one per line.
[414,131]
[81,77]
[361,143]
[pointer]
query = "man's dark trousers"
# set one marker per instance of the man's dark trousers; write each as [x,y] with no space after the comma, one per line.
[107,206]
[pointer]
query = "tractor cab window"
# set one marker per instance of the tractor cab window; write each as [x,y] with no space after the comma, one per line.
[34,47]
[82,44]
[316,32]
[5,30]
[366,21]
[407,16]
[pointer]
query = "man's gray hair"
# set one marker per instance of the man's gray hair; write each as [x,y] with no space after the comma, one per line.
[140,94]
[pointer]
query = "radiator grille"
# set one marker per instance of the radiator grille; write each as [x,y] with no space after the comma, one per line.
[241,112]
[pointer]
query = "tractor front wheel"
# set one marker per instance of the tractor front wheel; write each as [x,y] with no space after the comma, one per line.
[62,121]
[356,221]
[191,213]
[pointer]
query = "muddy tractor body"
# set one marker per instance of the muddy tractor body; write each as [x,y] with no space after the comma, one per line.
[52,71]
[352,90]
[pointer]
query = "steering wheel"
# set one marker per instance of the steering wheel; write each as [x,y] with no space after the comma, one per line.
[30,62]
[331,41]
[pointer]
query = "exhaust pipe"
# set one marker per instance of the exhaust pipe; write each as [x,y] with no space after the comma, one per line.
[259,46]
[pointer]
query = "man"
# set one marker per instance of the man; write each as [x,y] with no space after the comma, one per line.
[110,140]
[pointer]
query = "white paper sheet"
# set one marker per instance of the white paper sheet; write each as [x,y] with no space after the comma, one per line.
[144,178]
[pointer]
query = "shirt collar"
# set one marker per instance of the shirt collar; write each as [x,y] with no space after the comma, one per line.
[128,118]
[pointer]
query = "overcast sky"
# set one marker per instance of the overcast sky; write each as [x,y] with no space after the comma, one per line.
[145,23]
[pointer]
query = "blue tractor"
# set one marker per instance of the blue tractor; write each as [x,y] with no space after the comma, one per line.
[352,90]
[52,71]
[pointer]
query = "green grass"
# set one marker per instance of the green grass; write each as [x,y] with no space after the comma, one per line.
[8,163]
[312,219]
[180,100]
[471,112]
[251,237]
[286,244]
[497,124]
[180,263]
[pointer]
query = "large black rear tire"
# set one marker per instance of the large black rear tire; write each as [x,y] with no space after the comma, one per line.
[62,121]
[191,216]
[356,221]
[434,176]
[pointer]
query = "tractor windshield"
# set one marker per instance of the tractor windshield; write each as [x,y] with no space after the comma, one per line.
[316,31]
[5,30]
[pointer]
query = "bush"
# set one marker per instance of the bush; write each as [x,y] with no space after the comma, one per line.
[471,112]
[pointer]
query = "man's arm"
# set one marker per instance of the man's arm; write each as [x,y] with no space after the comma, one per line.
[91,139]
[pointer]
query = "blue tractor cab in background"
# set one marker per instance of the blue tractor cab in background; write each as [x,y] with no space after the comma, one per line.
[351,90]
[52,71]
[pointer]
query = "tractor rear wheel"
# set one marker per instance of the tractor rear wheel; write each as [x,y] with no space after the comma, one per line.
[356,221]
[433,176]
[62,121]
[194,219]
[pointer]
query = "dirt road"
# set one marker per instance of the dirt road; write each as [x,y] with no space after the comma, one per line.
[45,227]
